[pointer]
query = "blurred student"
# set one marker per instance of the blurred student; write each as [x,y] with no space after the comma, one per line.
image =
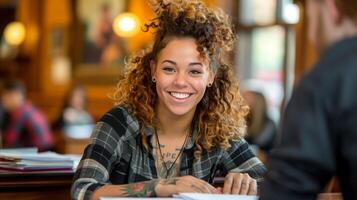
[74,117]
[24,125]
[262,130]
[319,132]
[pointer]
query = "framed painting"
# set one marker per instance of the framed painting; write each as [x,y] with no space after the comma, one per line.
[99,54]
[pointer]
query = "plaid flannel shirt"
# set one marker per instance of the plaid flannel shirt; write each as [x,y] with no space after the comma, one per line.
[116,156]
[27,127]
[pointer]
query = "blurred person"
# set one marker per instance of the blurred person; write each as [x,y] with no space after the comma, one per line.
[74,111]
[262,129]
[24,125]
[319,132]
[178,117]
[74,119]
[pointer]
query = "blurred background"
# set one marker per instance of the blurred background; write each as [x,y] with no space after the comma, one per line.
[57,46]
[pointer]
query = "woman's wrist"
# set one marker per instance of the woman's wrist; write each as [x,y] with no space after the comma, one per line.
[162,189]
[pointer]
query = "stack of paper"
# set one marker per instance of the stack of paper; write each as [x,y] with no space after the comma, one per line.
[48,161]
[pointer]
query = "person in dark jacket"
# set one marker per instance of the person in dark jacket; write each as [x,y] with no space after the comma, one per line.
[319,130]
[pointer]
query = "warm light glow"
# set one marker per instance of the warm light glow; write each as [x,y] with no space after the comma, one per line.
[126,25]
[291,13]
[15,33]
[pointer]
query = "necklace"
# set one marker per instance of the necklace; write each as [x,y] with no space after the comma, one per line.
[168,169]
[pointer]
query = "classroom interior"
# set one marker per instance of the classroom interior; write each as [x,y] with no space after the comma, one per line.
[59,44]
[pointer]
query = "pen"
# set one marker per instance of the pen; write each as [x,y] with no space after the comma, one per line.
[218,181]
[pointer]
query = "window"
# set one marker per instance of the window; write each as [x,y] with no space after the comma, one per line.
[258,12]
[266,40]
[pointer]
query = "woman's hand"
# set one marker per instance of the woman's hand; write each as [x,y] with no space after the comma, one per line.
[238,183]
[169,187]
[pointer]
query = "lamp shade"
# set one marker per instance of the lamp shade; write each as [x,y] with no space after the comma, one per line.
[15,33]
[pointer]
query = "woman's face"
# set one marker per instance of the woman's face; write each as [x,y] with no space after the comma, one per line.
[182,77]
[78,99]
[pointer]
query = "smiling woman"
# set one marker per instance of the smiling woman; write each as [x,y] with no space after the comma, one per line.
[179,117]
[181,77]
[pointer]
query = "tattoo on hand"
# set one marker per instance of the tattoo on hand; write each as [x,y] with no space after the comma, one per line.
[197,188]
[140,189]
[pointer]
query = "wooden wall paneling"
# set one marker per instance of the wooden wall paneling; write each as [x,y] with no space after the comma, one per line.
[29,13]
[56,15]
[305,53]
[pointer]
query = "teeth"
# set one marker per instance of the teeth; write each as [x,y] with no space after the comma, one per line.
[180,95]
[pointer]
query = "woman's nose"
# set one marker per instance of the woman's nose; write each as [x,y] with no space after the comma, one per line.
[180,79]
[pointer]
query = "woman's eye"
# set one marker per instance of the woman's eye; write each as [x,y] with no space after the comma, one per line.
[169,69]
[196,72]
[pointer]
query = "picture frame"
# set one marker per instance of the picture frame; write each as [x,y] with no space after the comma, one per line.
[99,55]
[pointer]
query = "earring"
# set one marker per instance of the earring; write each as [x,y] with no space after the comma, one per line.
[209,85]
[153,79]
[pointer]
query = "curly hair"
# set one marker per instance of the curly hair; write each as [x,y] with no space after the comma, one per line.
[220,114]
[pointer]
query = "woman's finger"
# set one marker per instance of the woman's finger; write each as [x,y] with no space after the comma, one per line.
[227,187]
[237,182]
[245,184]
[219,190]
[253,187]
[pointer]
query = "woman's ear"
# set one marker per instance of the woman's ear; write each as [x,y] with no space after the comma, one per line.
[334,12]
[211,78]
[152,67]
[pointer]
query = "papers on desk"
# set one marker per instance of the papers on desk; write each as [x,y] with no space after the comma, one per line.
[200,196]
[133,198]
[193,196]
[47,161]
[25,150]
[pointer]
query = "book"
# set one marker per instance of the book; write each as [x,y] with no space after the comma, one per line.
[47,161]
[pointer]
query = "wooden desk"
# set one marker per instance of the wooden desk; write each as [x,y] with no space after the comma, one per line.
[57,185]
[35,185]
[66,145]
